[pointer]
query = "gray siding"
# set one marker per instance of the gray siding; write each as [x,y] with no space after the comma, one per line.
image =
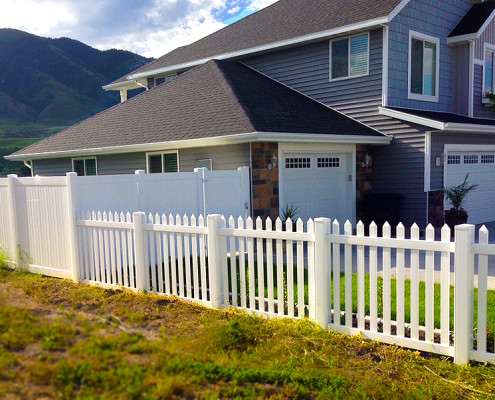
[52,167]
[460,79]
[126,163]
[487,36]
[438,140]
[223,157]
[433,17]
[479,109]
[307,69]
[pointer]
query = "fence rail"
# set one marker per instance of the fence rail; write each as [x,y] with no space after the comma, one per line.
[398,289]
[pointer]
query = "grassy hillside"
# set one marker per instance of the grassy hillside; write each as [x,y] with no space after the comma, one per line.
[49,84]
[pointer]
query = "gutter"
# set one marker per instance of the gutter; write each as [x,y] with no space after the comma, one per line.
[205,142]
[438,125]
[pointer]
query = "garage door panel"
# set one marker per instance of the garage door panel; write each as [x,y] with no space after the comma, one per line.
[316,184]
[481,169]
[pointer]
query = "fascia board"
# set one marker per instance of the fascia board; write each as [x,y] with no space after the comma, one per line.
[412,118]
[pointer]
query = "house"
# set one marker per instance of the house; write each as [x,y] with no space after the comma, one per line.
[326,101]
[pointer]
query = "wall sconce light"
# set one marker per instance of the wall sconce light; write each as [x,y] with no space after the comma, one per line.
[274,161]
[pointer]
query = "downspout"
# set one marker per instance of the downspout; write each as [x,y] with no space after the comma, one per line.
[30,166]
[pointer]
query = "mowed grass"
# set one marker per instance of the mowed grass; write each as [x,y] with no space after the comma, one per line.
[61,340]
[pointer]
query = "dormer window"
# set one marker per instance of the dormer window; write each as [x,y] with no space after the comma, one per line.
[489,81]
[424,66]
[349,57]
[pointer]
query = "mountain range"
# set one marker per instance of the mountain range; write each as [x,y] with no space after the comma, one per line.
[47,84]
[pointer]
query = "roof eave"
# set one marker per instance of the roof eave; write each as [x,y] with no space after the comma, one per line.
[205,142]
[267,47]
[471,36]
[127,85]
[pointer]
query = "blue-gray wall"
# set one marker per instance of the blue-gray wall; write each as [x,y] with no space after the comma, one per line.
[433,17]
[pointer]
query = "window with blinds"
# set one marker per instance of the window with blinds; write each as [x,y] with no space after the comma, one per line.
[163,163]
[349,57]
[423,67]
[84,166]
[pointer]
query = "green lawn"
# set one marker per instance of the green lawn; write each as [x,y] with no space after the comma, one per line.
[61,340]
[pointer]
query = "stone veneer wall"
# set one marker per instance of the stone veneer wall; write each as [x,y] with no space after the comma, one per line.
[435,208]
[265,185]
[363,179]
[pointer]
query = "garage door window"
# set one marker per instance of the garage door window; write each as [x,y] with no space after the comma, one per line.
[487,159]
[471,159]
[328,162]
[297,162]
[453,160]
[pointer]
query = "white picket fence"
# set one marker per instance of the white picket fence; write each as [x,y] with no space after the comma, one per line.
[384,288]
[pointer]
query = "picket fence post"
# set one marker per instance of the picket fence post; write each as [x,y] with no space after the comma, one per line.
[464,293]
[139,219]
[72,196]
[322,271]
[12,207]
[216,262]
[201,180]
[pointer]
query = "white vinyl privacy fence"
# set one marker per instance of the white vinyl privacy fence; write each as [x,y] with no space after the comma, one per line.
[397,288]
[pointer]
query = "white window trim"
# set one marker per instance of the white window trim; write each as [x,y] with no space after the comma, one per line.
[156,153]
[85,158]
[491,47]
[349,57]
[164,76]
[422,97]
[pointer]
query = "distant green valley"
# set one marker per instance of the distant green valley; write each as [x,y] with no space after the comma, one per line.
[49,84]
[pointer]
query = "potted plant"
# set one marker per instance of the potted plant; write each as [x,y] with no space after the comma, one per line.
[457,215]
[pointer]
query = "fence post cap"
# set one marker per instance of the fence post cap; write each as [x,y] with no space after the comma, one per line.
[139,172]
[12,176]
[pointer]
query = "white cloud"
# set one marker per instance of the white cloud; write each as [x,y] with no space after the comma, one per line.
[148,27]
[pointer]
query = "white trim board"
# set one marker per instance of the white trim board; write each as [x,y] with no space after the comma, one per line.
[438,125]
[427,177]
[215,141]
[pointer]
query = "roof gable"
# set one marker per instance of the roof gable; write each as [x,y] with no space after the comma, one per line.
[472,25]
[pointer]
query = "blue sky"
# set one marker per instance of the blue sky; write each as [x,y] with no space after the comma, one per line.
[148,27]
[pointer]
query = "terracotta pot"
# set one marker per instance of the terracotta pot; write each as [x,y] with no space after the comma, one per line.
[452,221]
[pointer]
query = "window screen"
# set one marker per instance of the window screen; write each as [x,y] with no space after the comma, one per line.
[340,58]
[350,57]
[170,162]
[79,167]
[90,166]
[155,164]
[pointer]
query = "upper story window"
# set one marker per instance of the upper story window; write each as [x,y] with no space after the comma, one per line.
[84,166]
[424,66]
[349,57]
[489,79]
[163,162]
[152,82]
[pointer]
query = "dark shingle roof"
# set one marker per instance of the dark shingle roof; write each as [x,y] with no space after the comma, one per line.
[445,117]
[216,99]
[474,19]
[283,20]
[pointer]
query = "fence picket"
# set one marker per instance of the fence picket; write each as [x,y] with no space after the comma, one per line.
[151,265]
[300,271]
[311,272]
[159,255]
[269,267]
[202,254]
[387,298]
[194,243]
[99,252]
[113,261]
[482,292]
[348,275]
[180,256]
[400,265]
[260,260]
[445,289]
[373,281]
[233,264]
[290,270]
[108,269]
[166,257]
[360,284]
[187,257]
[130,248]
[280,270]
[415,286]
[251,278]
[430,287]
[173,259]
[242,265]
[336,274]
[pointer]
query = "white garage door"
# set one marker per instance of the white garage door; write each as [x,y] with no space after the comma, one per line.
[480,166]
[318,185]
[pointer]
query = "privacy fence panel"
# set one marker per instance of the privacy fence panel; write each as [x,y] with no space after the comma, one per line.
[6,238]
